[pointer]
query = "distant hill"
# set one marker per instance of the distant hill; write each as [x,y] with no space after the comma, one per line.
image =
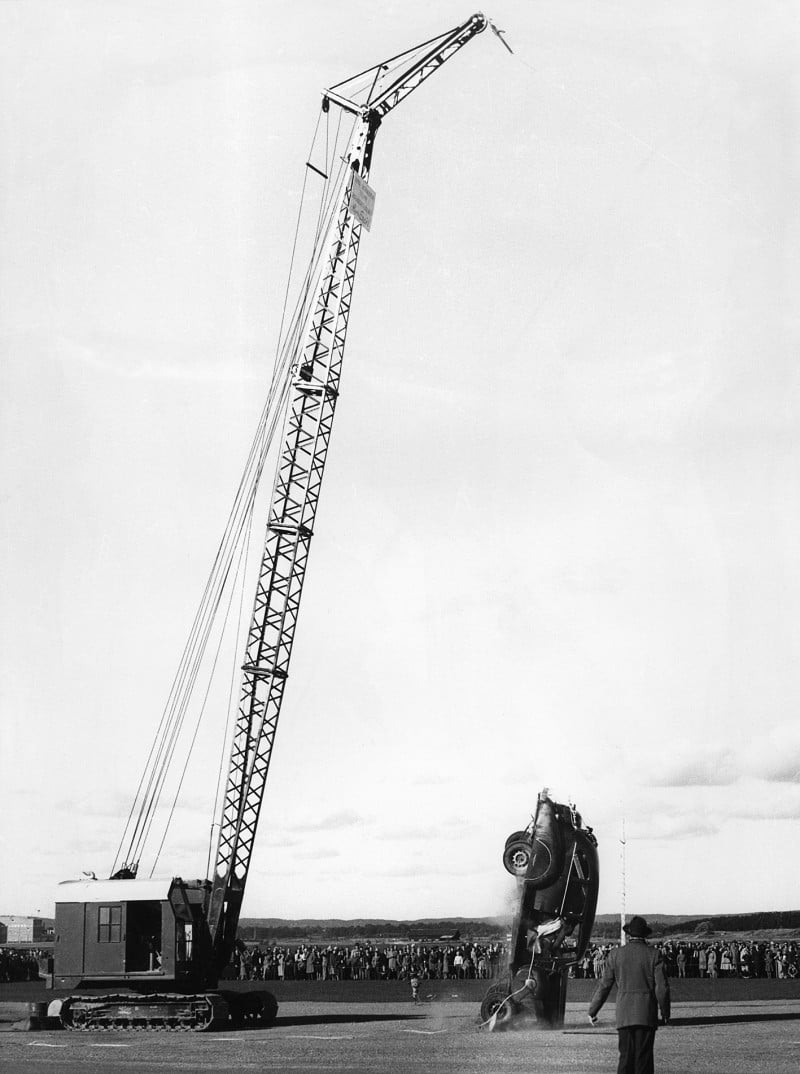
[265,929]
[758,922]
[276,928]
[659,920]
[671,924]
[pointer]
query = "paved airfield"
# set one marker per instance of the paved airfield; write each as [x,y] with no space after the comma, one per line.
[759,1037]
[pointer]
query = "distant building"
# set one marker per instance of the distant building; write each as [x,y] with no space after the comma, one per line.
[15,928]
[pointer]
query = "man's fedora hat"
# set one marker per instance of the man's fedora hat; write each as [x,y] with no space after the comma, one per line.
[637,926]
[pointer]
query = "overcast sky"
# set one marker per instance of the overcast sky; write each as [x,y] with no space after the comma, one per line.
[559,539]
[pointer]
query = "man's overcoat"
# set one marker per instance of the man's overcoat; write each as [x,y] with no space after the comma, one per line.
[642,985]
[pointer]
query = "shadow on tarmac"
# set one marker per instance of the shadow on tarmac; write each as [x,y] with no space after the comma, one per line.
[343,1019]
[731,1019]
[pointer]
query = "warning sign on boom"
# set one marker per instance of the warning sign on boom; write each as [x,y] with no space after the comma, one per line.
[362,201]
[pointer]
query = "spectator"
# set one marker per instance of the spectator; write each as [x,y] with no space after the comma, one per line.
[640,975]
[726,963]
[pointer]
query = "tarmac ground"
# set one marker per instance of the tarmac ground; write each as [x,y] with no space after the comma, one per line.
[756,1036]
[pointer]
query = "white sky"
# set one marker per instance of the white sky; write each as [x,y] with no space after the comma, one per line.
[558,539]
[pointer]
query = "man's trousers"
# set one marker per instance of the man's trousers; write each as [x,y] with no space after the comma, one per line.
[636,1049]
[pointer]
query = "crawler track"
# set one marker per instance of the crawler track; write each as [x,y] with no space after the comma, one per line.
[163,1012]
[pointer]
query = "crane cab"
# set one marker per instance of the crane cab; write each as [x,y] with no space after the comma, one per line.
[140,934]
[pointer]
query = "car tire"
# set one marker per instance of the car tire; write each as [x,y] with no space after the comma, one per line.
[517,857]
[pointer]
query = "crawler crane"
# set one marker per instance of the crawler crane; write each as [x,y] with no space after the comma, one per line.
[158,947]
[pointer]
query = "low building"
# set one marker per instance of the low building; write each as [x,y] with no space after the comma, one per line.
[16,928]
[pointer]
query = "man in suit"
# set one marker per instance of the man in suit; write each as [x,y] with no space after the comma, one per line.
[642,991]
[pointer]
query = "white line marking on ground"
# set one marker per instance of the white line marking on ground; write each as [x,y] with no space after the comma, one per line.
[312,1036]
[42,1044]
[109,1045]
[427,1032]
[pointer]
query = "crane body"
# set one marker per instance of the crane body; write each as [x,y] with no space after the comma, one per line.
[167,942]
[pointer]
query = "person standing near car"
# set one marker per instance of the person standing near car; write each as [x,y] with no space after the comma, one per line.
[642,991]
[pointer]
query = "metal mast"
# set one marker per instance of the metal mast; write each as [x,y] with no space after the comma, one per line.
[315,388]
[622,912]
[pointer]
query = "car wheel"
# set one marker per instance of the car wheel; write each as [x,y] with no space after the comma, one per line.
[496,1002]
[517,857]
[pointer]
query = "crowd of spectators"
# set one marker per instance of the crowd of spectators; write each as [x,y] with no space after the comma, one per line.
[20,965]
[371,962]
[375,961]
[722,958]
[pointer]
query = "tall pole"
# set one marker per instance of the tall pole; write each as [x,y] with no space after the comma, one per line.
[622,935]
